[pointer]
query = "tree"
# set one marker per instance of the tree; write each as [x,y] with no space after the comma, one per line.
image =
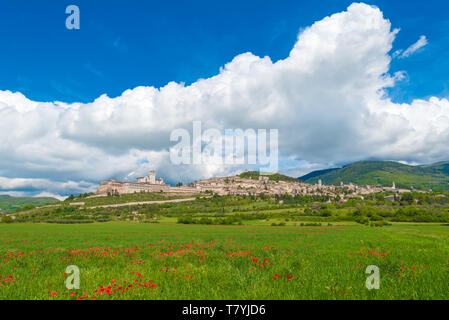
[7,219]
[325,212]
[408,198]
[28,207]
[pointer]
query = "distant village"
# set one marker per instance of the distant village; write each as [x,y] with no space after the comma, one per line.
[236,185]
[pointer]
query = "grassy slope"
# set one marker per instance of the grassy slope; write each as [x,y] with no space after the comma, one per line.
[9,204]
[383,173]
[124,198]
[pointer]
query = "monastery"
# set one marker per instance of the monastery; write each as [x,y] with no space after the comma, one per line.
[143,184]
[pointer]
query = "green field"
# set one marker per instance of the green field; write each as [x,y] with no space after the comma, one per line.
[175,261]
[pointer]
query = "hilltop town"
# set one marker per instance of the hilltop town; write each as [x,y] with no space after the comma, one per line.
[243,184]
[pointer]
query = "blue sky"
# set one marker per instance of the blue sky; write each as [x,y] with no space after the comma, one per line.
[334,77]
[124,44]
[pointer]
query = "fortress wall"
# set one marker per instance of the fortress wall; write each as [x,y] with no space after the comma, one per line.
[130,187]
[109,186]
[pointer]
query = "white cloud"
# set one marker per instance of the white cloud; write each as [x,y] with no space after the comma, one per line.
[34,187]
[50,195]
[327,98]
[422,41]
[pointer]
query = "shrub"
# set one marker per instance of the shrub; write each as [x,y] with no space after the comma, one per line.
[362,220]
[7,219]
[28,207]
[379,223]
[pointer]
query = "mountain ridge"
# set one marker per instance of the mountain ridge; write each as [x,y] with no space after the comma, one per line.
[384,173]
[9,203]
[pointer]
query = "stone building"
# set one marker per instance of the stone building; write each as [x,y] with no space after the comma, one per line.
[151,179]
[143,184]
[236,185]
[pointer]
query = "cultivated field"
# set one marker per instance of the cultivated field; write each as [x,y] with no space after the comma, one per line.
[129,260]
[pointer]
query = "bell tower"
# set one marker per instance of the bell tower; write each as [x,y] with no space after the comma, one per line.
[152,177]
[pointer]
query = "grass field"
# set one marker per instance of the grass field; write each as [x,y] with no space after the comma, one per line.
[126,260]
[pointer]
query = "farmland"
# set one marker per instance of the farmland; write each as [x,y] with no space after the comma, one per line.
[168,260]
[229,247]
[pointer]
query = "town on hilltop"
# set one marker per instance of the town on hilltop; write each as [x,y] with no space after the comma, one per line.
[241,185]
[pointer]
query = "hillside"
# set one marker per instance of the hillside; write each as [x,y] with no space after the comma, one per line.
[424,177]
[274,177]
[316,173]
[9,204]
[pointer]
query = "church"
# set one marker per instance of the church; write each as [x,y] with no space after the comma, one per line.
[143,184]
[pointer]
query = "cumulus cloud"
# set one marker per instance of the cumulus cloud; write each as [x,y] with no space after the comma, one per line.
[328,100]
[34,186]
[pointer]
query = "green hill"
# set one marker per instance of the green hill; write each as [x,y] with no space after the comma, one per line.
[272,176]
[383,173]
[9,204]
